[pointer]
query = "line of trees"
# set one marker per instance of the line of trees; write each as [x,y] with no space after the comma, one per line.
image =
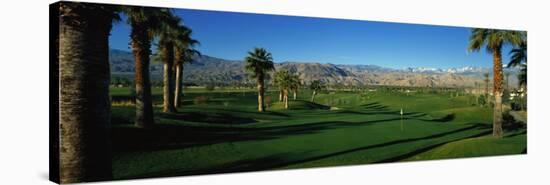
[84,75]
[259,63]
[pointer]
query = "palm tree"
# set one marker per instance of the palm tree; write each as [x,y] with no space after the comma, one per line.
[184,53]
[85,110]
[315,86]
[286,82]
[494,40]
[519,55]
[280,93]
[168,34]
[145,22]
[258,63]
[519,58]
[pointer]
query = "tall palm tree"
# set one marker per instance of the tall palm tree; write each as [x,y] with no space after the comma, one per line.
[85,109]
[145,22]
[258,63]
[168,34]
[184,53]
[494,40]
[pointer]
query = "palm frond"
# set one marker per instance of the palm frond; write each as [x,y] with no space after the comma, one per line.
[518,55]
[258,62]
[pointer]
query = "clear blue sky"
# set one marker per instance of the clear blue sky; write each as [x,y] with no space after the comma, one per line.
[304,39]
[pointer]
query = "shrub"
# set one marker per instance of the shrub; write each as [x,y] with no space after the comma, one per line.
[510,123]
[482,100]
[210,87]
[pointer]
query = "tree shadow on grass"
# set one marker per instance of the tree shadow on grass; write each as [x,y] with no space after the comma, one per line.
[444,119]
[213,118]
[516,134]
[374,106]
[429,147]
[377,108]
[276,161]
[244,165]
[473,126]
[252,113]
[173,136]
[267,112]
[370,104]
[509,123]
[313,105]
[396,113]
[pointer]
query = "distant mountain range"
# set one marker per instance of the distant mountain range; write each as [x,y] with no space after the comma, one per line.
[207,69]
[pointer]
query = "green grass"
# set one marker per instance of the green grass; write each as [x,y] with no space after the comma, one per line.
[514,143]
[227,134]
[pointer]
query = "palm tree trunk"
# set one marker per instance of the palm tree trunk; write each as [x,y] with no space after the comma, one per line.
[487,91]
[84,105]
[294,94]
[168,94]
[280,95]
[497,91]
[260,83]
[177,93]
[313,96]
[285,98]
[141,44]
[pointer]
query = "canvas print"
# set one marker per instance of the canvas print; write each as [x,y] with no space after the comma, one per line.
[139,92]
